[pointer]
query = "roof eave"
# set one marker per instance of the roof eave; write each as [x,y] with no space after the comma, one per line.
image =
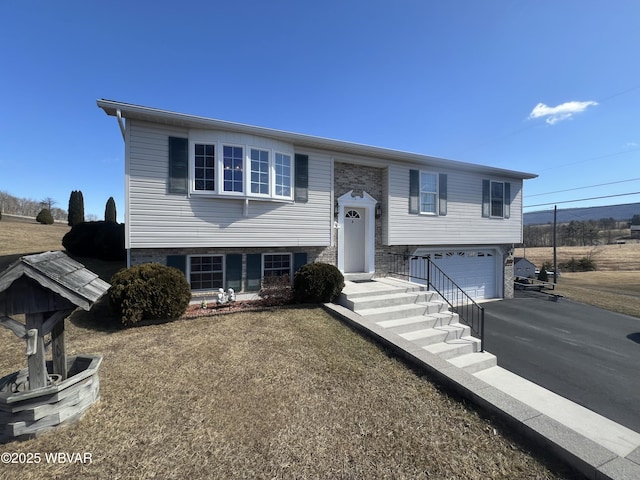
[139,112]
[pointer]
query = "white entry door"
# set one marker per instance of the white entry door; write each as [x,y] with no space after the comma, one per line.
[354,239]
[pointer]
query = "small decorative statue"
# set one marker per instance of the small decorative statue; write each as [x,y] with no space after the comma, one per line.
[222,297]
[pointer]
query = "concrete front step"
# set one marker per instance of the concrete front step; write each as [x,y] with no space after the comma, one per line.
[409,324]
[419,316]
[474,362]
[445,333]
[401,311]
[454,348]
[388,300]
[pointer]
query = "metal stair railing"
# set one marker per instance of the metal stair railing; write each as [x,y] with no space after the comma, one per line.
[459,301]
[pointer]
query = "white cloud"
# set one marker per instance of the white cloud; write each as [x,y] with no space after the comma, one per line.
[560,112]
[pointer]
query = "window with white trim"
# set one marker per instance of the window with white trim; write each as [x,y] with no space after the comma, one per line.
[219,168]
[283,176]
[206,272]
[259,171]
[428,192]
[497,199]
[233,169]
[205,166]
[276,264]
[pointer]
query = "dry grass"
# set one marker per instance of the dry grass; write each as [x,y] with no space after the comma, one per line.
[19,236]
[606,257]
[291,393]
[24,236]
[614,286]
[614,291]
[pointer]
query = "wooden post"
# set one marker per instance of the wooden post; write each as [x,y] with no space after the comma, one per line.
[36,362]
[58,350]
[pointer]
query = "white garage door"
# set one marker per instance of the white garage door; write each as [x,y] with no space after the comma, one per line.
[473,270]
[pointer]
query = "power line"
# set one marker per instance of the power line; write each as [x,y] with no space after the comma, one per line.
[581,188]
[582,199]
[599,157]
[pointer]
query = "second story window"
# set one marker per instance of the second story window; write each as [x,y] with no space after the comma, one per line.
[283,175]
[259,171]
[205,166]
[497,199]
[428,192]
[233,169]
[215,168]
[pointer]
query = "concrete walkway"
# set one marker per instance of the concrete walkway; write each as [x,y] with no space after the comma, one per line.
[595,446]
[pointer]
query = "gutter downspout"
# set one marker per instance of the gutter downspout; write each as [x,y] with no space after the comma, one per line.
[120,122]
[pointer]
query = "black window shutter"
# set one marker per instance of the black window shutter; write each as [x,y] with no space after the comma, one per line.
[301,189]
[442,194]
[414,191]
[486,198]
[177,261]
[507,199]
[254,271]
[178,164]
[299,259]
[233,271]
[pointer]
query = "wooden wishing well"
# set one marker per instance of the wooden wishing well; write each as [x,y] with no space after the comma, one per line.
[46,288]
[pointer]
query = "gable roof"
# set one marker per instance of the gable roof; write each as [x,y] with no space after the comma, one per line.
[60,274]
[138,112]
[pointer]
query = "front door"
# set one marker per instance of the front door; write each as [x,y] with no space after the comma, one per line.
[354,239]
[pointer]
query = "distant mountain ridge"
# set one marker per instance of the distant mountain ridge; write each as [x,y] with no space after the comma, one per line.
[620,213]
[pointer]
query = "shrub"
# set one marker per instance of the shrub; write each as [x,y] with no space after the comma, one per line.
[585,264]
[45,217]
[103,240]
[543,276]
[150,291]
[276,290]
[317,282]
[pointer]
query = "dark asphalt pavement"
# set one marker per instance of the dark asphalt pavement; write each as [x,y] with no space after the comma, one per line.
[588,355]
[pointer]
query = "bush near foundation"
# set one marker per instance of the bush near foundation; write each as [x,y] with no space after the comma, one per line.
[317,283]
[149,292]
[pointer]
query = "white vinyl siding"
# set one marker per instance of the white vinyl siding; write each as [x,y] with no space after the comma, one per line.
[159,220]
[463,224]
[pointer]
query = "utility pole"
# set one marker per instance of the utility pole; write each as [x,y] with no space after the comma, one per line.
[555,258]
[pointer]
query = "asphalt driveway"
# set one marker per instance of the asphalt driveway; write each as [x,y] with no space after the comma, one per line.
[588,355]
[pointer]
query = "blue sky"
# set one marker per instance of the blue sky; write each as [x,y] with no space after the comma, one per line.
[548,87]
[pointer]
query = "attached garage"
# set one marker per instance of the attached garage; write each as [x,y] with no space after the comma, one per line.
[473,270]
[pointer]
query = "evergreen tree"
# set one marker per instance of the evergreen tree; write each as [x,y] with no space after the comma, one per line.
[110,214]
[45,217]
[76,208]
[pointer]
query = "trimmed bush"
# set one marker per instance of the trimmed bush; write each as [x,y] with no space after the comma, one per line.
[45,217]
[110,214]
[103,240]
[317,282]
[150,291]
